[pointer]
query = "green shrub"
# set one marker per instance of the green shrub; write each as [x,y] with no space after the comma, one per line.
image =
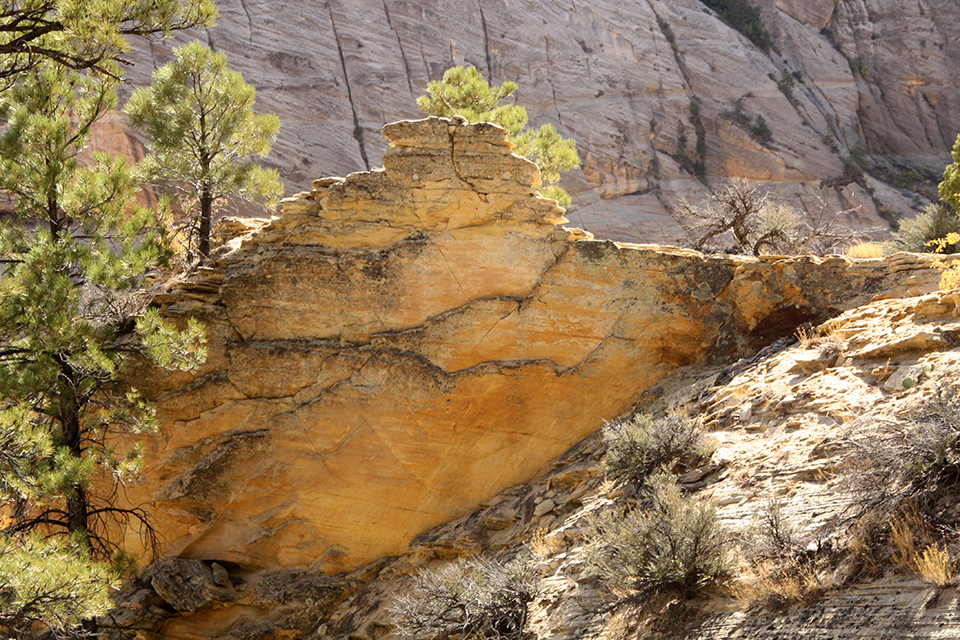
[475,598]
[857,162]
[670,543]
[667,31]
[761,131]
[643,444]
[745,18]
[785,82]
[933,223]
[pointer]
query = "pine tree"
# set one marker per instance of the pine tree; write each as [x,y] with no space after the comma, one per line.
[87,34]
[198,116]
[71,266]
[464,92]
[50,583]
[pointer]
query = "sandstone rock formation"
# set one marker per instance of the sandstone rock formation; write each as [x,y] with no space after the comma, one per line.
[650,90]
[782,425]
[402,344]
[780,421]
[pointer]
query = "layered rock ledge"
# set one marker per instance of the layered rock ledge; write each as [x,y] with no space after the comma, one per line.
[401,344]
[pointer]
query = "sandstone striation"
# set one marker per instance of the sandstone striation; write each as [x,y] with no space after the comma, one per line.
[402,344]
[654,92]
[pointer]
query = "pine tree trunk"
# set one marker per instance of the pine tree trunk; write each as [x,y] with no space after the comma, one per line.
[206,209]
[77,502]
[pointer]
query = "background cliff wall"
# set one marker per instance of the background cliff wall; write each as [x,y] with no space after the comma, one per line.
[402,344]
[652,91]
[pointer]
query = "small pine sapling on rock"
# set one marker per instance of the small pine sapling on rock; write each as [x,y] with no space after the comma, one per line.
[464,92]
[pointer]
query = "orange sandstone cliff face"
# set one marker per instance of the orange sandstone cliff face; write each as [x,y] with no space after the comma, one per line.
[401,344]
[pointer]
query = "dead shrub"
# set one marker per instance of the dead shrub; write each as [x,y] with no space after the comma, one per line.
[741,218]
[912,458]
[778,567]
[902,474]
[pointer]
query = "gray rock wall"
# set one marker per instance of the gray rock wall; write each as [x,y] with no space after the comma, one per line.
[636,82]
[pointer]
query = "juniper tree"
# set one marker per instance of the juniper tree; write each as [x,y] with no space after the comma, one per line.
[87,34]
[71,264]
[463,91]
[198,116]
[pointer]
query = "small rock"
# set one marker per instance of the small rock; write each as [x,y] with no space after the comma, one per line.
[220,575]
[326,183]
[810,362]
[544,507]
[904,377]
[187,585]
[579,491]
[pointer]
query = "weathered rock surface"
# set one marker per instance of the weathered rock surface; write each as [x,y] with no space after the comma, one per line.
[402,344]
[781,433]
[190,585]
[645,107]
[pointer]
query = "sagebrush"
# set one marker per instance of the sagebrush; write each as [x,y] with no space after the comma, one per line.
[644,443]
[934,222]
[469,598]
[671,542]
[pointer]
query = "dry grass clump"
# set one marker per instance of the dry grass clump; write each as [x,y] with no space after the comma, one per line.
[864,250]
[915,550]
[829,342]
[775,584]
[937,566]
[777,566]
[909,535]
[542,545]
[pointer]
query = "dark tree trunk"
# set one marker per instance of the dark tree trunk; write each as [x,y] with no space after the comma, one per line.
[206,210]
[69,416]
